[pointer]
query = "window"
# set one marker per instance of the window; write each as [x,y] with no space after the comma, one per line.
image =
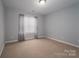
[29,25]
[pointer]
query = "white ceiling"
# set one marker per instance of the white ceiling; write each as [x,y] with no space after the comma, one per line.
[32,6]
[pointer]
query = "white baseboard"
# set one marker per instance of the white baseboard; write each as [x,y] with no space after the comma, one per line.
[11,41]
[65,42]
[1,49]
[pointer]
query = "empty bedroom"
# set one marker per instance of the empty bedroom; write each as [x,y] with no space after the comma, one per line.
[39,28]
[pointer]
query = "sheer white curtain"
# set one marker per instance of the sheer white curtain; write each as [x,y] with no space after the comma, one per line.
[30,27]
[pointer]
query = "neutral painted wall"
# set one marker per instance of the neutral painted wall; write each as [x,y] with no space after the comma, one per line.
[1,27]
[64,24]
[12,23]
[40,29]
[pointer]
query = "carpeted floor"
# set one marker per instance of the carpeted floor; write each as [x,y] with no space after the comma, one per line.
[40,48]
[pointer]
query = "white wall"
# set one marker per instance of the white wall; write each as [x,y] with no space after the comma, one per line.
[12,23]
[40,24]
[64,24]
[1,27]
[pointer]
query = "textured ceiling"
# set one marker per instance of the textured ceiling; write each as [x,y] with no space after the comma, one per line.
[32,6]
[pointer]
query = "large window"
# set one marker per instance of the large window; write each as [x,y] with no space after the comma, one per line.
[29,25]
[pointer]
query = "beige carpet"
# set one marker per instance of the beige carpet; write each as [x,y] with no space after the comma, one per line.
[39,48]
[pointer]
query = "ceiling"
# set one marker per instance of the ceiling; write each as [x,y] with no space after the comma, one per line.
[32,6]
